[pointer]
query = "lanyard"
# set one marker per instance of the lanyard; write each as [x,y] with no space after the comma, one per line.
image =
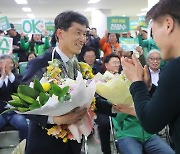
[64,68]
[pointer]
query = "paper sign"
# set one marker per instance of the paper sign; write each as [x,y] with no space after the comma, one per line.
[5,45]
[129,44]
[50,28]
[134,24]
[4,23]
[118,24]
[142,22]
[33,26]
[18,27]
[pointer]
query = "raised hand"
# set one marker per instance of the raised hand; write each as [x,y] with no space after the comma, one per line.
[2,69]
[147,78]
[8,66]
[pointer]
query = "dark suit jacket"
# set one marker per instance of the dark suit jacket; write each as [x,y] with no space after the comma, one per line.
[7,91]
[39,142]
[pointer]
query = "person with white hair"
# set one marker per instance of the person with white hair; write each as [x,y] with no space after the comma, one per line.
[154,61]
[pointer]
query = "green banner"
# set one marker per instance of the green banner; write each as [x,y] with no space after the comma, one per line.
[117,24]
[5,45]
[4,23]
[18,27]
[33,26]
[142,22]
[129,44]
[50,28]
[133,24]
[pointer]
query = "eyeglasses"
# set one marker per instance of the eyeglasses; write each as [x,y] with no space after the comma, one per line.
[155,59]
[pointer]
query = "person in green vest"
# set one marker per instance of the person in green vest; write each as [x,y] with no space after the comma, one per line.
[132,138]
[36,44]
[147,44]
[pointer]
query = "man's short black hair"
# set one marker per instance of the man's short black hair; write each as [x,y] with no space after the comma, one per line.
[1,31]
[144,31]
[165,7]
[108,57]
[12,26]
[90,49]
[65,19]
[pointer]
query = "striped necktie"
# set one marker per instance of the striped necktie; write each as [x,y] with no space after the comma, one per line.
[70,69]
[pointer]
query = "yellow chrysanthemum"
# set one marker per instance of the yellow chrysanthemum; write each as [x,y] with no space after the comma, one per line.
[50,67]
[57,70]
[65,140]
[46,86]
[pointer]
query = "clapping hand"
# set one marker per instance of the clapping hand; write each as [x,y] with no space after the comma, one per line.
[8,66]
[134,71]
[2,69]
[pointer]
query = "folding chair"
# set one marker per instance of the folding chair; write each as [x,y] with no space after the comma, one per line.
[22,67]
[115,151]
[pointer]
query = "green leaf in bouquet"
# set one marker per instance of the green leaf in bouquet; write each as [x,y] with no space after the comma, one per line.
[38,86]
[25,104]
[15,103]
[35,105]
[67,97]
[28,91]
[64,91]
[22,109]
[61,99]
[8,110]
[56,89]
[43,98]
[51,92]
[27,99]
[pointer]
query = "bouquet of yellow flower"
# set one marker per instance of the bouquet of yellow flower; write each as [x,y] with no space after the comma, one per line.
[115,88]
[55,96]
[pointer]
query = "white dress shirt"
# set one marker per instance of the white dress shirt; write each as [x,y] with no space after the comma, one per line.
[11,78]
[155,76]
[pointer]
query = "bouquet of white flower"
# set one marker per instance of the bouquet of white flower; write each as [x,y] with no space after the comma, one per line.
[115,88]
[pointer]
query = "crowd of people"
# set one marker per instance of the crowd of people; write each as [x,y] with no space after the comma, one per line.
[73,37]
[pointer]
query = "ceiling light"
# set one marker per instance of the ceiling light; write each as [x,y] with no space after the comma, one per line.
[26,9]
[145,10]
[89,9]
[21,1]
[93,1]
[31,15]
[141,14]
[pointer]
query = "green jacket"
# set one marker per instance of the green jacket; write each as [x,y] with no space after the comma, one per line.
[38,49]
[129,126]
[148,45]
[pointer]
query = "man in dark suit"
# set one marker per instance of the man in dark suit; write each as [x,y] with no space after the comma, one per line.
[9,82]
[70,30]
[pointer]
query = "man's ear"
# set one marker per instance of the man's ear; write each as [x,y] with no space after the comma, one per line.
[169,24]
[59,33]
